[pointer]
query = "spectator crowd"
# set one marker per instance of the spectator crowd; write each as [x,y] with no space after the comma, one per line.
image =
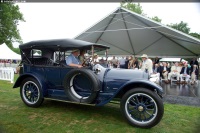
[9,61]
[181,72]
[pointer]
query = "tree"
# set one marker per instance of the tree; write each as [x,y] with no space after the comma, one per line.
[9,18]
[195,35]
[155,18]
[181,27]
[132,7]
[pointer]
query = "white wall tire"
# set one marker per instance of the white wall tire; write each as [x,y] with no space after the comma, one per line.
[30,92]
[142,107]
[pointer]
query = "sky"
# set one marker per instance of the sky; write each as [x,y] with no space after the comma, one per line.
[67,20]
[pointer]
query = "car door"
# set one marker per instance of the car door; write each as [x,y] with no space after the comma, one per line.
[52,74]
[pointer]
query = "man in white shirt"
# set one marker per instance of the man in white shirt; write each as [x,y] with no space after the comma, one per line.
[114,62]
[175,71]
[122,62]
[147,64]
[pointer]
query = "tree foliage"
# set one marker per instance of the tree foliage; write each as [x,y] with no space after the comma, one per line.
[195,35]
[9,19]
[182,26]
[132,7]
[155,18]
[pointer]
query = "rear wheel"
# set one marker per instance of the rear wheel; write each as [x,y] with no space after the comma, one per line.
[30,91]
[142,107]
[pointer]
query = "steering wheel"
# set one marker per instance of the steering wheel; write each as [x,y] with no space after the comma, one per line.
[87,60]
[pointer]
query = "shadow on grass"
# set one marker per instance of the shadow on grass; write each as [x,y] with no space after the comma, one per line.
[198,125]
[1,129]
[110,110]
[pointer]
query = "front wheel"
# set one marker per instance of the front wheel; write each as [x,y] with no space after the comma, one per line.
[30,91]
[142,107]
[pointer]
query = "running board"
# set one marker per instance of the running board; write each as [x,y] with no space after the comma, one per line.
[69,101]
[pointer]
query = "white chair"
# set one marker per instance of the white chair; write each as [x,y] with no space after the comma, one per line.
[184,78]
[161,79]
[173,78]
[155,78]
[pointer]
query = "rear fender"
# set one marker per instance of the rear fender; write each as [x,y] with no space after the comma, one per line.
[40,80]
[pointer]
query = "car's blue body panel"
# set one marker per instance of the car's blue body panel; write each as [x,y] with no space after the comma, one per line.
[38,77]
[112,81]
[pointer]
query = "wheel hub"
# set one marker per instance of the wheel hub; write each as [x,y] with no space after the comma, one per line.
[140,108]
[29,93]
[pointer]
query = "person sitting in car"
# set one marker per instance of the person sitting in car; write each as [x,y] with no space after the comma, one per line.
[72,59]
[81,57]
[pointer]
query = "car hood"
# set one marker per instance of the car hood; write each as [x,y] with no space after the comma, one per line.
[126,74]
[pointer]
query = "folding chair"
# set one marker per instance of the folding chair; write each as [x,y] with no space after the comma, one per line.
[184,78]
[173,78]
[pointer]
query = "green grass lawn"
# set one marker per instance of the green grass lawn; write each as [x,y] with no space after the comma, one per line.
[59,117]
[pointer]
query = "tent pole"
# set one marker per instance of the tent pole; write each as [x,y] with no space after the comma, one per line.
[150,44]
[128,36]
[115,46]
[92,49]
[105,29]
[179,44]
[165,36]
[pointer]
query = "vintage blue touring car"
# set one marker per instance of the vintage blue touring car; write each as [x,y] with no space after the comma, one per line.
[45,75]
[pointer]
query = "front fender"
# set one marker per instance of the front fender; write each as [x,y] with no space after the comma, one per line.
[134,84]
[147,83]
[40,80]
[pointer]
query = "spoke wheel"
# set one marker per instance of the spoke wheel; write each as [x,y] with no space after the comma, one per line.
[142,107]
[31,93]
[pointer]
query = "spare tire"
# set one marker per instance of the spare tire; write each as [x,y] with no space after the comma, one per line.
[78,81]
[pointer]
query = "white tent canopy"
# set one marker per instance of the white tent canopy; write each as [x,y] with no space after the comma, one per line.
[7,53]
[128,33]
[172,59]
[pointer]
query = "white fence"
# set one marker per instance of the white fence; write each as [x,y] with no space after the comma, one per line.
[7,73]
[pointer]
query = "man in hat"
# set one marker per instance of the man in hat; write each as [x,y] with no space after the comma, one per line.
[72,59]
[147,64]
